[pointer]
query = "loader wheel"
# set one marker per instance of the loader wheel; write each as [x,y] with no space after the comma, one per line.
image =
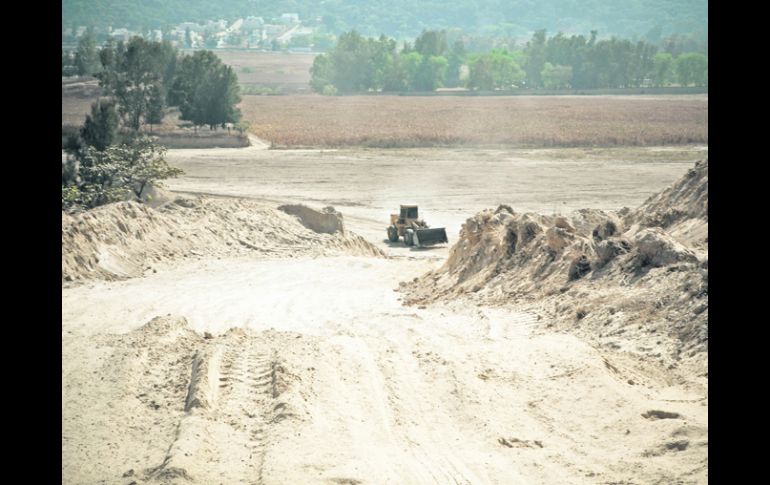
[409,237]
[392,234]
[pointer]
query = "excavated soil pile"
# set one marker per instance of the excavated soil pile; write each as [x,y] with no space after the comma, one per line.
[633,280]
[127,239]
[328,220]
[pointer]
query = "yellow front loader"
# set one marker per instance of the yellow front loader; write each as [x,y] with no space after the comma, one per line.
[414,230]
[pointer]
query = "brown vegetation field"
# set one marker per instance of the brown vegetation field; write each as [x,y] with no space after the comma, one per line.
[77,94]
[74,109]
[413,121]
[283,72]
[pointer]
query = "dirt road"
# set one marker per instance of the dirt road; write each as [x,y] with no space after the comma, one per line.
[310,370]
[369,391]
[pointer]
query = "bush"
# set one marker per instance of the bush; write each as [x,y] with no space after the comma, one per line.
[93,177]
[70,138]
[250,89]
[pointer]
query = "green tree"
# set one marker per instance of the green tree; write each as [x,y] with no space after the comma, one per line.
[143,163]
[87,56]
[216,98]
[431,43]
[156,105]
[411,66]
[430,73]
[536,58]
[138,68]
[505,71]
[381,52]
[192,70]
[692,68]
[70,138]
[210,41]
[353,63]
[663,64]
[456,59]
[556,77]
[480,75]
[396,76]
[644,65]
[108,56]
[495,70]
[321,73]
[98,177]
[100,129]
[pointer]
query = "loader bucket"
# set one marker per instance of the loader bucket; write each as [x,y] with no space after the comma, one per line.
[429,237]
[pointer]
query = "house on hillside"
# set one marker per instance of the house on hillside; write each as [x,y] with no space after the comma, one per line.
[273,30]
[217,26]
[121,34]
[255,37]
[189,25]
[252,23]
[290,18]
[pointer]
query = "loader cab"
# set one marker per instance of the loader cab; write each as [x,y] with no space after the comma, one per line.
[408,212]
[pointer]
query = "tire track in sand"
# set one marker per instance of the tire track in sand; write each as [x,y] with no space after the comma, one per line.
[230,405]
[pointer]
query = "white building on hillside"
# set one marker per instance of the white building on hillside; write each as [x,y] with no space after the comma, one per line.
[252,23]
[190,25]
[121,34]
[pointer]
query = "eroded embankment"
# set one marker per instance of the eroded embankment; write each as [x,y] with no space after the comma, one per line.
[126,239]
[635,280]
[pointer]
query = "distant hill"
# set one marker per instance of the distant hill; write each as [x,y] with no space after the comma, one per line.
[645,19]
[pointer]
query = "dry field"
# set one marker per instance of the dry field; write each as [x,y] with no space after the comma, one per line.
[426,121]
[287,72]
[74,109]
[411,121]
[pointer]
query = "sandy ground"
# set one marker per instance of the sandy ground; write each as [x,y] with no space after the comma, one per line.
[310,369]
[450,185]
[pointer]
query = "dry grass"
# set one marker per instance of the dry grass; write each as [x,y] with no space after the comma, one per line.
[74,109]
[406,121]
[280,71]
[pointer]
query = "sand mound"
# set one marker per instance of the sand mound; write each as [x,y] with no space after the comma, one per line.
[682,209]
[642,274]
[126,239]
[327,221]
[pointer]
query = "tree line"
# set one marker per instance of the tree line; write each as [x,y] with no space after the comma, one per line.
[361,64]
[108,157]
[143,78]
